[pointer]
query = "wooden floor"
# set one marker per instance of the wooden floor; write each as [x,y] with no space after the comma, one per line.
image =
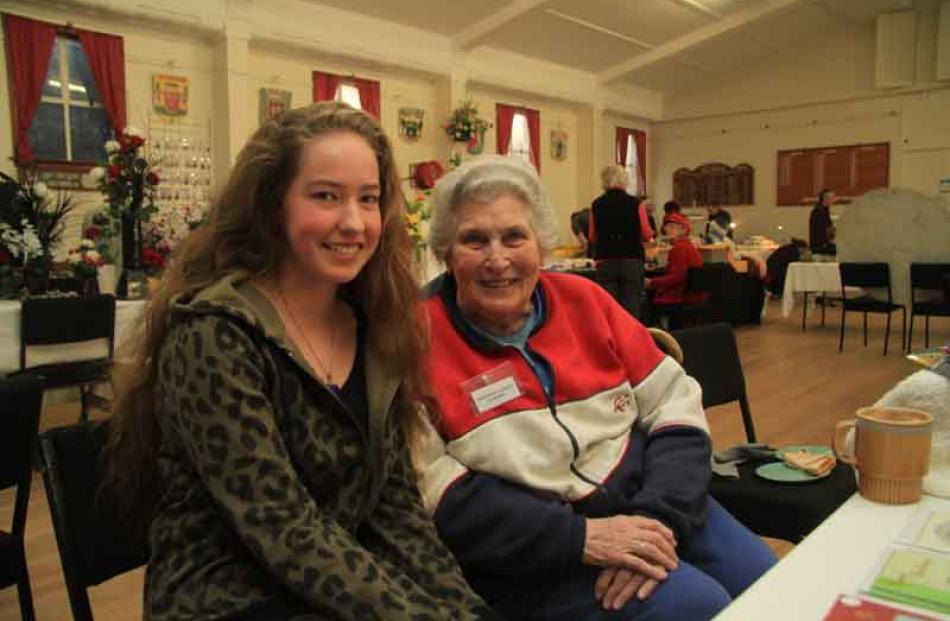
[798,384]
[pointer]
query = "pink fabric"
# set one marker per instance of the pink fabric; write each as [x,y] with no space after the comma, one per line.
[369,95]
[106,55]
[325,85]
[646,232]
[503,117]
[29,46]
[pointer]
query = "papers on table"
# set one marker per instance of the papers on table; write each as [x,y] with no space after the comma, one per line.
[915,570]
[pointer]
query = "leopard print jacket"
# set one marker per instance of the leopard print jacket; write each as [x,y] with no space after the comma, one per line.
[273,496]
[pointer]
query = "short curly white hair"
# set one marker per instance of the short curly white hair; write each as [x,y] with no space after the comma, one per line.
[482,180]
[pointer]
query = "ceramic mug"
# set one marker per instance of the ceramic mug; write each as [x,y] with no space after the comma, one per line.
[891,452]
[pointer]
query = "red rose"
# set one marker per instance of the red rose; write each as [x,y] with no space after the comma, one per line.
[152,258]
[153,178]
[92,232]
[114,171]
[136,141]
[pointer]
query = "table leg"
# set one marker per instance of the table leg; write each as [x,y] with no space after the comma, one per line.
[804,310]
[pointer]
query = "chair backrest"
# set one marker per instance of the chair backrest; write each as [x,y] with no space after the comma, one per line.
[94,546]
[667,344]
[53,321]
[713,278]
[865,275]
[711,357]
[929,276]
[21,399]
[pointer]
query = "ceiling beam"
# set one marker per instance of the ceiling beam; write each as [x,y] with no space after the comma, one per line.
[470,36]
[701,35]
[699,6]
[600,29]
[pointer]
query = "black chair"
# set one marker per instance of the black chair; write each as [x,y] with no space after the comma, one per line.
[94,545]
[710,356]
[928,277]
[767,508]
[56,321]
[869,275]
[717,281]
[20,401]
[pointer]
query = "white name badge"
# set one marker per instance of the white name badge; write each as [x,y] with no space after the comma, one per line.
[492,388]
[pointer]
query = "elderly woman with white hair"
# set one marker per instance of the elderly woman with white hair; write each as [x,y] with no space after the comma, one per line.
[568,464]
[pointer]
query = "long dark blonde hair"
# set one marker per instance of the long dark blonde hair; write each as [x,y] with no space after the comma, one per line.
[245,231]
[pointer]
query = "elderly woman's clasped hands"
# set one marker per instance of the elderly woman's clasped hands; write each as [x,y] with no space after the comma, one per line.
[636,552]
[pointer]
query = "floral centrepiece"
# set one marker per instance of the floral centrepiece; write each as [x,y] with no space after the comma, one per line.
[418,213]
[464,124]
[165,230]
[85,260]
[128,179]
[31,226]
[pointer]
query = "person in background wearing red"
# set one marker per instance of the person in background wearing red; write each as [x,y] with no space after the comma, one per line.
[670,289]
[618,230]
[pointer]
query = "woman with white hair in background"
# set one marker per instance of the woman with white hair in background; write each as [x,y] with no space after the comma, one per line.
[568,465]
[618,229]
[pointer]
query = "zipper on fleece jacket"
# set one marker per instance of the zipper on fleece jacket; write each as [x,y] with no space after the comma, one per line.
[552,408]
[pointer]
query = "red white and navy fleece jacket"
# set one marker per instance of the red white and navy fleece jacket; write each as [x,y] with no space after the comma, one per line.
[624,432]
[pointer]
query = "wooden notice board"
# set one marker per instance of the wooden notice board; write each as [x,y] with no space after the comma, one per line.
[849,170]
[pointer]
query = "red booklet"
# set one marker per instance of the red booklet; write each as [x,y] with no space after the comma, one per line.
[849,608]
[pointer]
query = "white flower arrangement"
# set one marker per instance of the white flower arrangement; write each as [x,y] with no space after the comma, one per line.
[23,244]
[112,146]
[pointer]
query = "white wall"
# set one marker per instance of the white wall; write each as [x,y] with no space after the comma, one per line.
[816,95]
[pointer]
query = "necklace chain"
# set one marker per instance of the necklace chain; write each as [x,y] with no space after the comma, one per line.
[327,369]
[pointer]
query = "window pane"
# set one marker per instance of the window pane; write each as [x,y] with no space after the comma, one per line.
[47,133]
[520,145]
[82,86]
[52,86]
[349,94]
[633,165]
[90,129]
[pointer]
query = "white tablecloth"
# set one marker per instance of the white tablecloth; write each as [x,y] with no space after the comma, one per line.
[809,277]
[833,560]
[126,312]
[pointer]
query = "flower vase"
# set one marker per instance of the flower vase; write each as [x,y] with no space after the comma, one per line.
[90,286]
[36,277]
[132,282]
[107,279]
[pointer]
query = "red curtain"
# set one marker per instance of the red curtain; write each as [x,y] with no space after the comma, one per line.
[534,128]
[29,49]
[369,95]
[106,56]
[640,142]
[503,117]
[325,85]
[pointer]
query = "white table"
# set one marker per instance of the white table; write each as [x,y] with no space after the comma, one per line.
[126,311]
[808,278]
[834,559]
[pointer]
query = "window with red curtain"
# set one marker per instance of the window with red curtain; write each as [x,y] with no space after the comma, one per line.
[330,87]
[519,133]
[631,153]
[67,90]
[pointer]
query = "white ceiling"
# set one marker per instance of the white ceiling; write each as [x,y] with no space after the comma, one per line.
[664,45]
